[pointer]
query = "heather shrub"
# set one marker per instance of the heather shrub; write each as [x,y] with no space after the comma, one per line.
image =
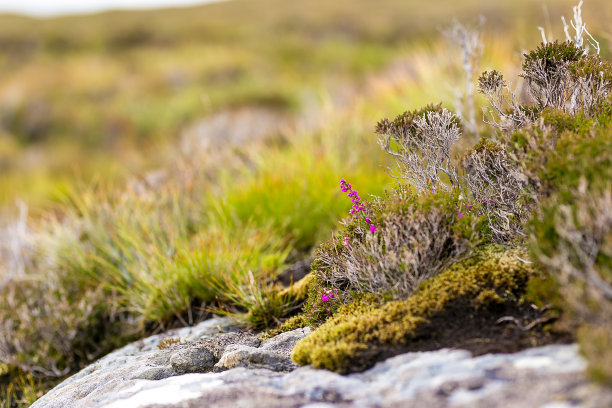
[556,151]
[504,111]
[562,76]
[420,141]
[416,236]
[60,336]
[558,76]
[52,321]
[548,169]
[493,178]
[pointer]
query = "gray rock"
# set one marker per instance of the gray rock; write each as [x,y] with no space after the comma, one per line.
[141,360]
[273,354]
[192,360]
[285,341]
[218,344]
[252,357]
[549,377]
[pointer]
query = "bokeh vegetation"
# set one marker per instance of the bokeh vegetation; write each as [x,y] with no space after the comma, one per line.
[138,223]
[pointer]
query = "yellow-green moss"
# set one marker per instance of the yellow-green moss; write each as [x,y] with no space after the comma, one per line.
[349,340]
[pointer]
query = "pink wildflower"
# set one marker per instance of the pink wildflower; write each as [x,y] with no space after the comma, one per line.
[372,228]
[460,215]
[324,297]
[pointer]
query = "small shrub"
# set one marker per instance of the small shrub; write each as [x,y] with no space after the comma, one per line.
[47,335]
[505,112]
[417,236]
[495,180]
[578,245]
[573,240]
[561,76]
[571,231]
[421,143]
[558,76]
[545,71]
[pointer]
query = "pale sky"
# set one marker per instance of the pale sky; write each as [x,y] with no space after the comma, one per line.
[48,8]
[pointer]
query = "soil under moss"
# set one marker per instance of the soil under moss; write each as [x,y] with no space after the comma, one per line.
[480,333]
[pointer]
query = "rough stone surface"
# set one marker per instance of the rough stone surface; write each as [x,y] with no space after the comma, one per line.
[547,377]
[274,354]
[201,347]
[192,360]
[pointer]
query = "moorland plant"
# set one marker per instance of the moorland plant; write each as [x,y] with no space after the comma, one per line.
[541,184]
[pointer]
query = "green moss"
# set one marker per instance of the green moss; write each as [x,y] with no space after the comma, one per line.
[361,333]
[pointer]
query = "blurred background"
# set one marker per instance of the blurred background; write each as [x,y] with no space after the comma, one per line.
[109,95]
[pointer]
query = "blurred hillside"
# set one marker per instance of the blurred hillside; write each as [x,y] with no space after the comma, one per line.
[103,95]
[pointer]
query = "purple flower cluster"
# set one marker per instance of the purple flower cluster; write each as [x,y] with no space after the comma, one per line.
[329,295]
[354,196]
[358,207]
